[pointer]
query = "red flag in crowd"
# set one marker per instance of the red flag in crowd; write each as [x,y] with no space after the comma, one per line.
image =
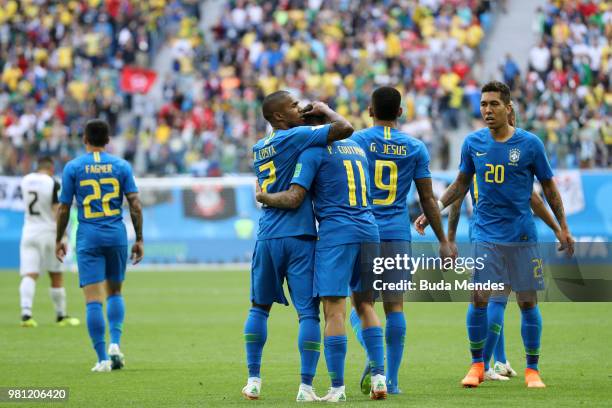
[137,80]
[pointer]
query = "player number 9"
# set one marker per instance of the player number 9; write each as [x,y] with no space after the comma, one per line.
[378,181]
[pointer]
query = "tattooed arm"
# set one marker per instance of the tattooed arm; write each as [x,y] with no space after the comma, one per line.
[136,215]
[288,199]
[62,215]
[556,204]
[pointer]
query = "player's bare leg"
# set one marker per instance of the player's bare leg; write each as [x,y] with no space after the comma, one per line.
[27,289]
[373,339]
[115,312]
[255,335]
[531,331]
[477,334]
[58,297]
[96,325]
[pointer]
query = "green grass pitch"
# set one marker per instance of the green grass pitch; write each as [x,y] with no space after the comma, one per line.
[183,345]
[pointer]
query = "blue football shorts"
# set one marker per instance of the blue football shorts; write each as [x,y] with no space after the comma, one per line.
[277,259]
[517,265]
[102,263]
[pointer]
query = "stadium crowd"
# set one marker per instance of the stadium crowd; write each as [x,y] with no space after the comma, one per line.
[59,69]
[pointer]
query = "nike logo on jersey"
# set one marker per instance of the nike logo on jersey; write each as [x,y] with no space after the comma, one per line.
[480,154]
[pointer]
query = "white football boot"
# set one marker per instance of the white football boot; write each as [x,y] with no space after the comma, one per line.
[378,389]
[103,366]
[252,390]
[306,394]
[116,356]
[335,394]
[492,375]
[504,369]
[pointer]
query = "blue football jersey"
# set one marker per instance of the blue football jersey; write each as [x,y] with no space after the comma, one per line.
[337,177]
[394,160]
[274,158]
[98,181]
[503,184]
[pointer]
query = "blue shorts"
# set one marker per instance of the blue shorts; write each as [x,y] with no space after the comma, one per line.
[338,269]
[519,266]
[391,248]
[102,263]
[277,259]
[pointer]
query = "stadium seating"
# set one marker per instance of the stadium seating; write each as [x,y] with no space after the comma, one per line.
[66,67]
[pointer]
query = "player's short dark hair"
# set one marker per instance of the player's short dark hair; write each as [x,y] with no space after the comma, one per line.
[97,132]
[386,102]
[44,162]
[272,102]
[496,86]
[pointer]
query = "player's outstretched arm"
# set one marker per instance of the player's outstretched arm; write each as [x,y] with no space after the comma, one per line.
[340,127]
[136,215]
[456,191]
[62,216]
[556,204]
[288,199]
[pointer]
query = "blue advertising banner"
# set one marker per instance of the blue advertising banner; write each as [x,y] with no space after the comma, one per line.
[203,221]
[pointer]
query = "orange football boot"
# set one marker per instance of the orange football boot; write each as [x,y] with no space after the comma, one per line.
[532,379]
[475,376]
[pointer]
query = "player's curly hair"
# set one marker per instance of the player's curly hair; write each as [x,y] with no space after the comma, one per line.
[97,132]
[496,86]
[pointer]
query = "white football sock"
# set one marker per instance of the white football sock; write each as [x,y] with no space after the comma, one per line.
[58,296]
[27,288]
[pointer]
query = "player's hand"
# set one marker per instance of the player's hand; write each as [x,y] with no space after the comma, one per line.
[60,251]
[448,250]
[137,252]
[566,240]
[453,246]
[420,224]
[315,109]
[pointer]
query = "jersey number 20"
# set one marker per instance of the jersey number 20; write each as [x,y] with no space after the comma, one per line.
[97,194]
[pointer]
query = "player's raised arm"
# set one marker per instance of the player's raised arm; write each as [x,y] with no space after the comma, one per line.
[340,127]
[288,199]
[136,215]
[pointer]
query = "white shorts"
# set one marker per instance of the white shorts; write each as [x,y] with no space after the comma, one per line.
[37,254]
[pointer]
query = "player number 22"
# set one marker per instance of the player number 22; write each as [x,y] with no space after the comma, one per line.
[381,165]
[350,175]
[495,174]
[97,194]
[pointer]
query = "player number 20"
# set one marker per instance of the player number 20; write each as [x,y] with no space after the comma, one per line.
[350,175]
[495,174]
[381,165]
[97,194]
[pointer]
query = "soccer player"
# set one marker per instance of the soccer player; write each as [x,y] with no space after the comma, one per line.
[286,239]
[36,250]
[395,159]
[337,178]
[496,307]
[99,181]
[505,160]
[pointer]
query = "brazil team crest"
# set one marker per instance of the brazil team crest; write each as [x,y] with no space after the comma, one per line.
[515,155]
